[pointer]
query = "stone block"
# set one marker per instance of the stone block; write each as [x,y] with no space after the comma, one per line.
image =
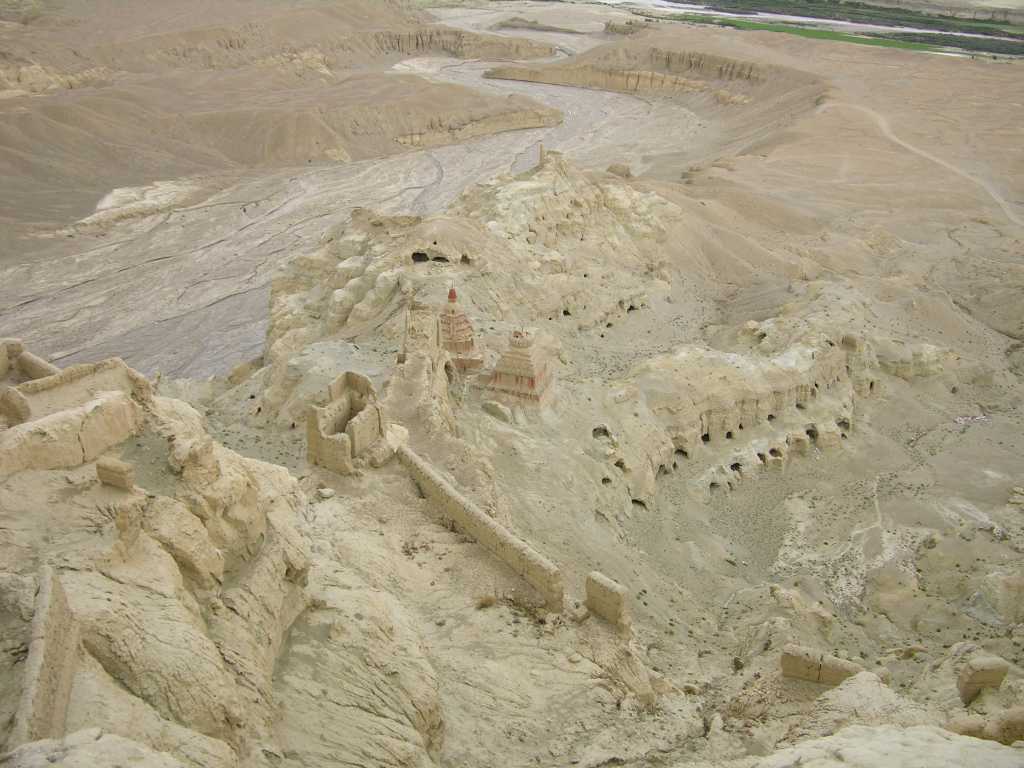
[817,667]
[981,671]
[608,599]
[829,439]
[801,663]
[798,443]
[14,406]
[834,670]
[115,472]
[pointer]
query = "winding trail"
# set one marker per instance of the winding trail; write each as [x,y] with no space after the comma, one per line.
[883,125]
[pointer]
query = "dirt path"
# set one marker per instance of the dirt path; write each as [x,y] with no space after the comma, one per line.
[883,125]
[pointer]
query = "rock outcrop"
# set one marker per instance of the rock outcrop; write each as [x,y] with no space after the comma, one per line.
[872,746]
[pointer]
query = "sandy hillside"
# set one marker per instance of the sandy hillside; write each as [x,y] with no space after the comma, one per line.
[482,386]
[87,106]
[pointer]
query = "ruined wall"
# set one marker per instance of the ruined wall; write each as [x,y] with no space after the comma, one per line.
[607,599]
[78,384]
[324,446]
[71,437]
[347,426]
[365,429]
[468,518]
[50,666]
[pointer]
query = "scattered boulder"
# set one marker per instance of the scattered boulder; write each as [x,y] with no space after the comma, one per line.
[981,671]
[622,170]
[862,746]
[1006,727]
[14,406]
[89,748]
[498,411]
[863,699]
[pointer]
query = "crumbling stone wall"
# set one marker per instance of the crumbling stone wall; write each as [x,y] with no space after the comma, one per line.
[468,518]
[50,666]
[347,426]
[325,445]
[71,437]
[365,429]
[78,384]
[14,357]
[608,599]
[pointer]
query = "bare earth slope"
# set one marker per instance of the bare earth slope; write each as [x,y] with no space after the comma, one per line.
[88,107]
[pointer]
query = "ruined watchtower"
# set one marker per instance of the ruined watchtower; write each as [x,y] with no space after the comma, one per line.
[522,370]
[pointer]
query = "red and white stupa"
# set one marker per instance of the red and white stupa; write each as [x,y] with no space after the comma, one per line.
[457,336]
[522,370]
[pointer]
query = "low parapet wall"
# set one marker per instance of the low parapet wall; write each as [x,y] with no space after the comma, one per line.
[72,437]
[468,518]
[50,667]
[78,384]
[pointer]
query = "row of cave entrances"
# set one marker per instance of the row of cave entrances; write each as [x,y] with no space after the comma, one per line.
[812,435]
[601,432]
[421,257]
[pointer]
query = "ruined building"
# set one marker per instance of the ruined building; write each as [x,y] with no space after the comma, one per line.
[345,428]
[522,371]
[457,335]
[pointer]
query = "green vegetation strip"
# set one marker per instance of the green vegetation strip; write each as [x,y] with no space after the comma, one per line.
[972,44]
[865,13]
[817,34]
